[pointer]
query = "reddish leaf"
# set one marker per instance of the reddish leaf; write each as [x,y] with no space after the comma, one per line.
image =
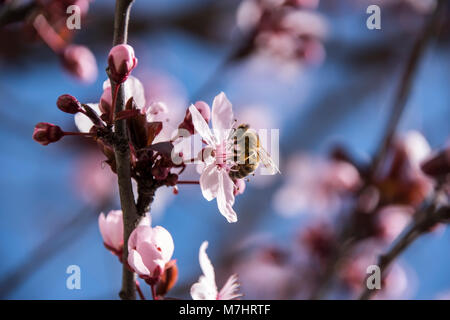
[153,129]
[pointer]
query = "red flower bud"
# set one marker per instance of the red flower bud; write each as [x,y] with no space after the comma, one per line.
[46,133]
[68,103]
[121,61]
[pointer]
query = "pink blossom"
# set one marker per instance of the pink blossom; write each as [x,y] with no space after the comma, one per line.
[248,15]
[215,182]
[392,220]
[206,288]
[80,62]
[398,283]
[121,61]
[164,89]
[132,87]
[400,179]
[111,229]
[149,249]
[263,276]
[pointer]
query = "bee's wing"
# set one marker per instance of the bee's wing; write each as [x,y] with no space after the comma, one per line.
[267,161]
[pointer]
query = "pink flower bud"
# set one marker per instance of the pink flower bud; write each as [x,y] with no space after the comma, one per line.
[204,110]
[46,133]
[111,229]
[80,62]
[121,61]
[149,249]
[68,103]
[239,187]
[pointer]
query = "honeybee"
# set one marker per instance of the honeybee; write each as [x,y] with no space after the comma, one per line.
[248,153]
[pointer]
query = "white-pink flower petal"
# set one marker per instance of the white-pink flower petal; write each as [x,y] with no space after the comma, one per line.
[230,289]
[222,116]
[136,263]
[111,229]
[209,181]
[225,196]
[163,242]
[201,126]
[203,290]
[205,263]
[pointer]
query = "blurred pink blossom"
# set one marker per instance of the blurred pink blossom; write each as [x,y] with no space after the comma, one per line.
[95,183]
[262,276]
[401,179]
[392,220]
[285,32]
[111,229]
[398,282]
[80,62]
[315,185]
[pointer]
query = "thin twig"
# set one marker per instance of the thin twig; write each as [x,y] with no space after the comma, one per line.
[122,156]
[406,82]
[398,108]
[425,220]
[13,12]
[139,291]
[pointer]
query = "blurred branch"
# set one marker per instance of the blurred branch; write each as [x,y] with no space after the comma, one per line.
[14,12]
[347,235]
[406,83]
[425,220]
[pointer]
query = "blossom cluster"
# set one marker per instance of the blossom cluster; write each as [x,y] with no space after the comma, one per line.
[287,31]
[156,160]
[382,204]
